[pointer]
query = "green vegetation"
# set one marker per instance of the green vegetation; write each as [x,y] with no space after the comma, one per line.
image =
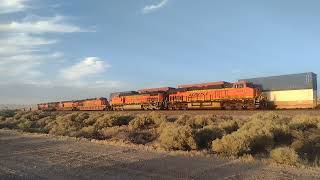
[285,140]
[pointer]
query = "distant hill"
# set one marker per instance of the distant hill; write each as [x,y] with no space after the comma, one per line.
[16,106]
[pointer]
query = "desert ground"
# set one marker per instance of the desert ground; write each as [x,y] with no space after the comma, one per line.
[36,156]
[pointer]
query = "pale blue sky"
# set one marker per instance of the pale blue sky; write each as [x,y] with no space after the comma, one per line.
[100,46]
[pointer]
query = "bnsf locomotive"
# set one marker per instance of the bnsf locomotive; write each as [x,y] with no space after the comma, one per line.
[217,95]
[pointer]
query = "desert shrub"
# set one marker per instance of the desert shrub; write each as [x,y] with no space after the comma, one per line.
[31,121]
[258,135]
[7,113]
[141,122]
[26,125]
[92,119]
[206,135]
[142,137]
[10,123]
[18,115]
[144,121]
[229,126]
[183,120]
[201,121]
[30,116]
[88,132]
[177,137]
[82,117]
[65,125]
[231,145]
[285,155]
[41,123]
[111,120]
[307,144]
[304,122]
[116,132]
[197,122]
[2,118]
[157,117]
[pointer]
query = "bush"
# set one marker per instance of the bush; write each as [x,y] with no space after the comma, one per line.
[88,132]
[258,135]
[142,137]
[231,145]
[157,118]
[197,122]
[65,125]
[308,147]
[111,120]
[229,126]
[7,113]
[176,137]
[206,135]
[92,119]
[285,155]
[9,123]
[116,132]
[145,121]
[304,122]
[183,120]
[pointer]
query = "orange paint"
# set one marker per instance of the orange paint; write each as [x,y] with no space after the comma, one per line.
[137,99]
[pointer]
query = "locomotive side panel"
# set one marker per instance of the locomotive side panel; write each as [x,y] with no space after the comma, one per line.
[66,106]
[138,102]
[99,104]
[238,97]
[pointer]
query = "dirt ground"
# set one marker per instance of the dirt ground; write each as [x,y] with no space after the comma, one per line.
[33,156]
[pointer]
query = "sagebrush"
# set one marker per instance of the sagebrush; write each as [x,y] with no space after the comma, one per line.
[286,140]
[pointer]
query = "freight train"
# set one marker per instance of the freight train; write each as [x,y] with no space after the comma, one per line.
[240,95]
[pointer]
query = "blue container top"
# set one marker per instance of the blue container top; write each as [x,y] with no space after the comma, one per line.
[286,82]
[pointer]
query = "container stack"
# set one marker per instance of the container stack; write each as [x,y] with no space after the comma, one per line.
[289,91]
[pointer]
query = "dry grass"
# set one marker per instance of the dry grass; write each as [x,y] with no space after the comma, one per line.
[287,140]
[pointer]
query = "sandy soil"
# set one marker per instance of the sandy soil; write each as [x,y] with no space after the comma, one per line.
[33,156]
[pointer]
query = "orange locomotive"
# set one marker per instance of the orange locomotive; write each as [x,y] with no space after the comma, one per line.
[52,106]
[215,95]
[96,104]
[146,99]
[66,106]
[220,95]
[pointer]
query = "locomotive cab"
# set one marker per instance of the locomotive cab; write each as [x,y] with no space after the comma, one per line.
[242,84]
